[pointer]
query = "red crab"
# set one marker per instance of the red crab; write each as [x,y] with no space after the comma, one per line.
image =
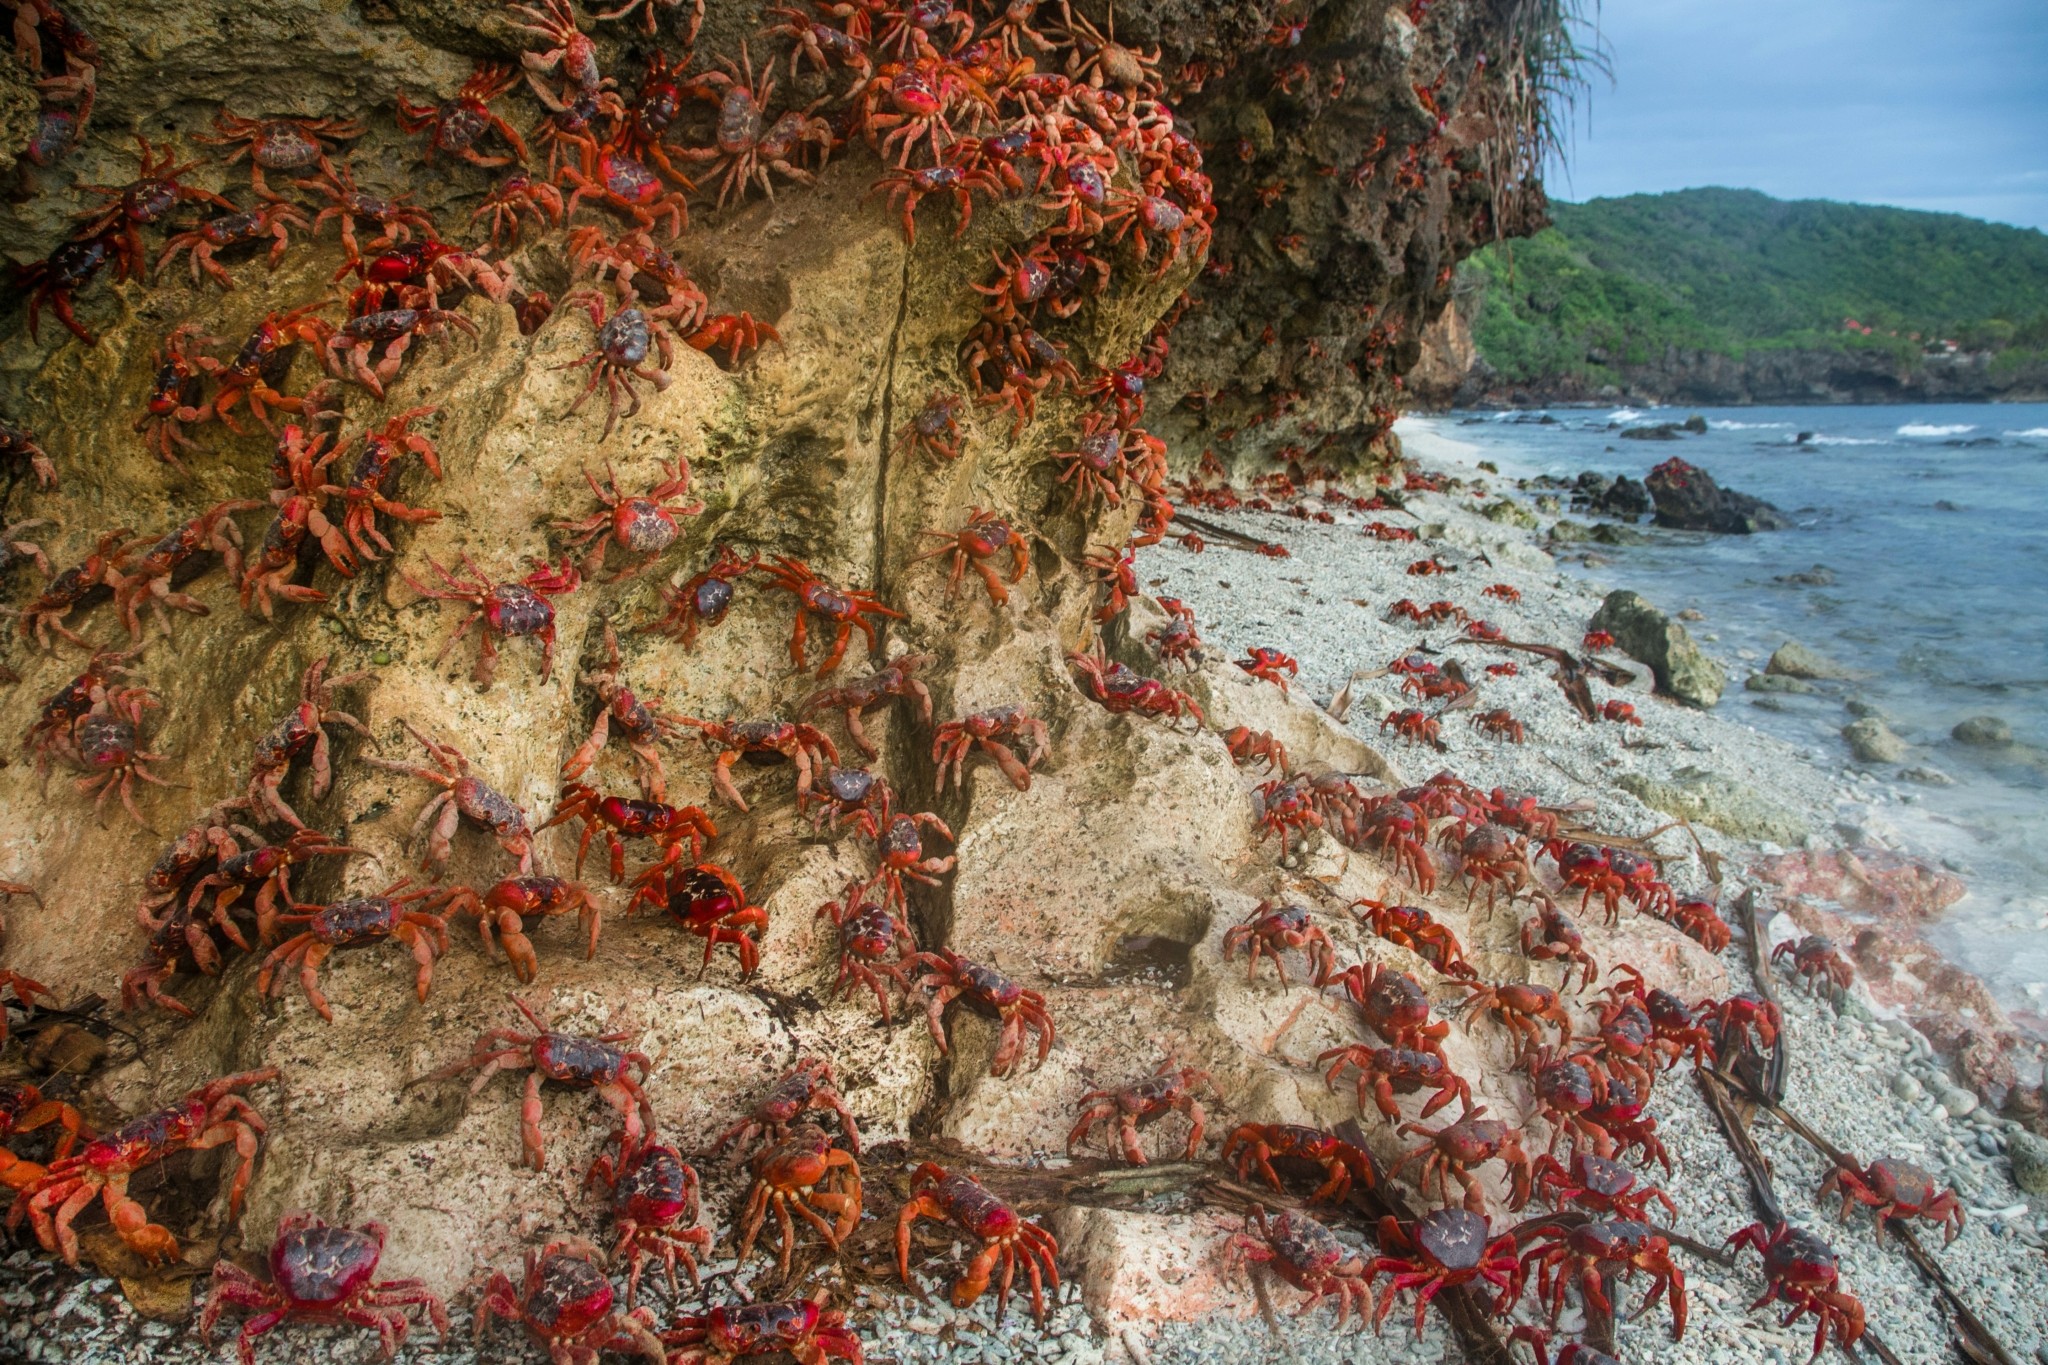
[1268,664]
[644,525]
[155,192]
[1596,640]
[1118,690]
[1133,214]
[1552,937]
[1415,727]
[507,609]
[764,741]
[744,150]
[1248,746]
[394,329]
[896,679]
[18,448]
[566,1303]
[1502,592]
[622,182]
[705,598]
[1391,1004]
[642,274]
[509,904]
[736,332]
[1165,1091]
[1492,856]
[1591,867]
[589,1063]
[802,1327]
[1101,465]
[621,356]
[1436,1252]
[989,993]
[709,902]
[68,590]
[107,744]
[26,991]
[267,867]
[654,1205]
[357,923]
[1733,1020]
[374,479]
[935,429]
[1596,1184]
[1470,1141]
[806,1087]
[1523,1008]
[1308,1256]
[841,608]
[394,215]
[641,724]
[22,1110]
[1270,931]
[60,275]
[230,230]
[1802,1271]
[668,826]
[909,186]
[1418,931]
[1500,724]
[1389,1071]
[147,580]
[872,944]
[262,363]
[1816,959]
[1340,1163]
[1591,1254]
[514,200]
[1116,573]
[302,734]
[301,491]
[462,797]
[573,54]
[988,731]
[459,124]
[1895,1189]
[1006,1239]
[1619,711]
[899,849]
[214,1115]
[1178,642]
[843,794]
[1699,921]
[983,540]
[806,1173]
[279,144]
[320,1273]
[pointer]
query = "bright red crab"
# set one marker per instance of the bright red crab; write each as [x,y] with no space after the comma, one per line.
[1269,931]
[1895,1189]
[1413,928]
[896,679]
[511,903]
[155,192]
[1599,1186]
[1803,1272]
[644,525]
[1168,1090]
[1006,1238]
[1702,923]
[709,902]
[374,479]
[1620,711]
[1492,856]
[1178,642]
[764,741]
[980,544]
[802,1327]
[1119,690]
[1439,1251]
[302,734]
[262,364]
[841,608]
[1339,1164]
[806,1088]
[1384,1072]
[320,1273]
[1592,1253]
[624,183]
[1470,1141]
[873,943]
[459,124]
[26,991]
[267,867]
[992,732]
[300,492]
[622,818]
[1501,592]
[214,1115]
[1248,746]
[1523,1008]
[588,1063]
[1269,664]
[279,144]
[462,797]
[949,977]
[565,1301]
[510,610]
[1414,726]
[146,580]
[1308,1256]
[736,332]
[704,599]
[1391,1004]
[1816,959]
[803,1173]
[1116,573]
[357,923]
[654,1207]
[641,724]
[1552,937]
[394,329]
[22,1110]
[620,356]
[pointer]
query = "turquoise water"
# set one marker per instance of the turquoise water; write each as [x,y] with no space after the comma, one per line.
[1931,521]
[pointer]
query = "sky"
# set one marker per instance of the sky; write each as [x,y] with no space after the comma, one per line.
[1940,106]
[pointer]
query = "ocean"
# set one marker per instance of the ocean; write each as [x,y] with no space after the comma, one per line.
[1923,563]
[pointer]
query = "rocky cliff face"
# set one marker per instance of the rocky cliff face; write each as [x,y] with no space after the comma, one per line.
[1348,160]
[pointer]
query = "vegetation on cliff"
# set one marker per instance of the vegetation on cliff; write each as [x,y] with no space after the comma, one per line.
[1732,273]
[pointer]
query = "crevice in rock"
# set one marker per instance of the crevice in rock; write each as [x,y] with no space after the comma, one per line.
[888,426]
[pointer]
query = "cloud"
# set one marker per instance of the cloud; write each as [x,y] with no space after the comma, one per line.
[1875,101]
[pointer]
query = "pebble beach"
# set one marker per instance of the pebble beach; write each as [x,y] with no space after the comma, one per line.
[1867,1082]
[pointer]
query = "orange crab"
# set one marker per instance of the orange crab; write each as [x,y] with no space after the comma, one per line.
[981,543]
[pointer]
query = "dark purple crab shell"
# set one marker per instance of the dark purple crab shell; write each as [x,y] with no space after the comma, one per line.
[462,122]
[572,1060]
[1619,1237]
[645,527]
[485,805]
[515,609]
[1601,1176]
[1305,1244]
[231,229]
[145,201]
[759,1328]
[900,840]
[73,263]
[1454,1238]
[850,786]
[1285,918]
[283,147]
[711,598]
[356,923]
[625,339]
[106,741]
[988,989]
[739,120]
[869,933]
[386,324]
[629,179]
[566,1294]
[319,1266]
[657,1187]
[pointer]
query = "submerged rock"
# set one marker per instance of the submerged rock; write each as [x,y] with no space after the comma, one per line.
[1794,660]
[1649,636]
[1776,682]
[1988,732]
[1688,499]
[2028,1153]
[1872,741]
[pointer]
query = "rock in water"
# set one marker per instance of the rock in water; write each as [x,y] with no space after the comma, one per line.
[1872,741]
[1649,636]
[2029,1156]
[1987,732]
[1688,499]
[1794,660]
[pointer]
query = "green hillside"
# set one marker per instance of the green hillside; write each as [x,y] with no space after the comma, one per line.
[1620,281]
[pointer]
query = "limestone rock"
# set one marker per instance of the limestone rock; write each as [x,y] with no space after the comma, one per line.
[1776,682]
[1872,741]
[1688,499]
[1718,802]
[1649,636]
[1987,732]
[1794,660]
[2028,1153]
